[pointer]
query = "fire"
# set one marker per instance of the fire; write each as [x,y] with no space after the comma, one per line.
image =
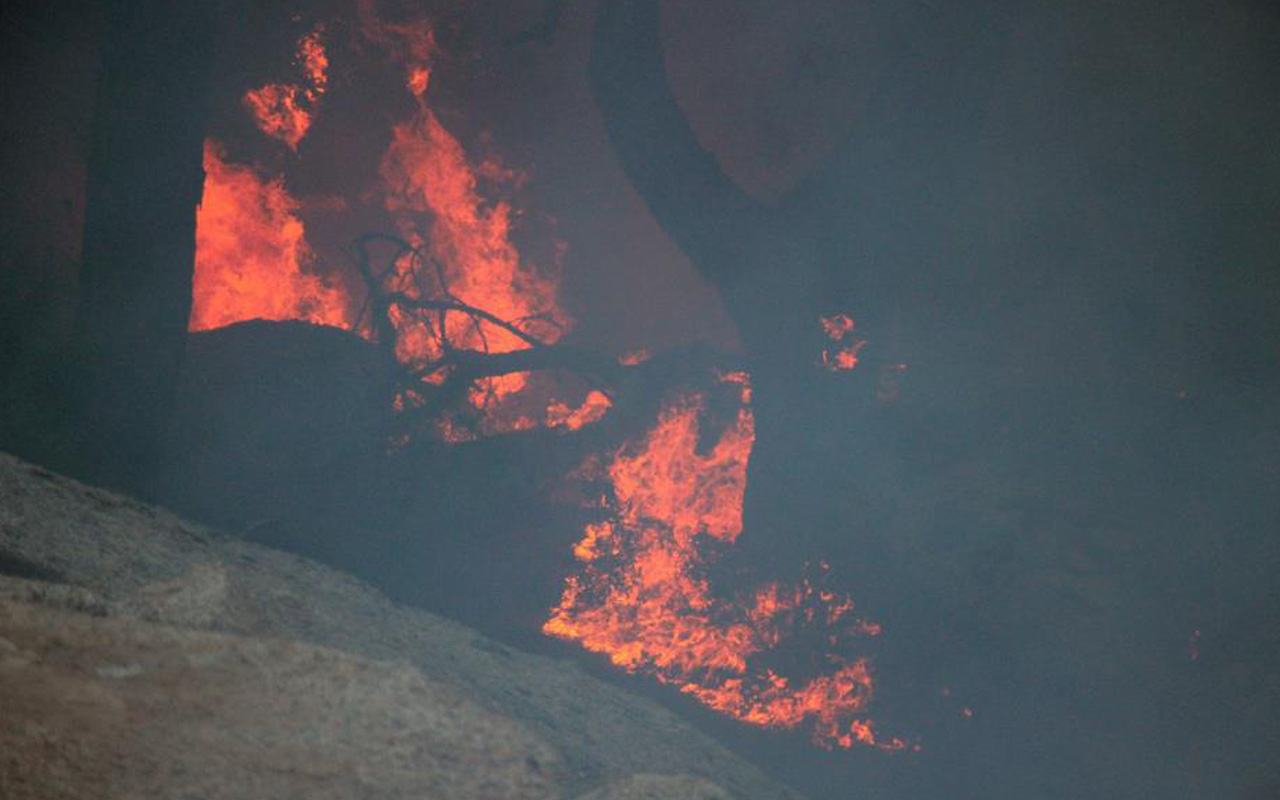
[252,251]
[252,255]
[633,357]
[432,191]
[842,353]
[641,597]
[593,408]
[251,248]
[285,111]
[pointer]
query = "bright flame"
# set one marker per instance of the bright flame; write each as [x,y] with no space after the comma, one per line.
[432,191]
[640,595]
[431,185]
[842,354]
[251,254]
[285,111]
[593,409]
[252,251]
[314,61]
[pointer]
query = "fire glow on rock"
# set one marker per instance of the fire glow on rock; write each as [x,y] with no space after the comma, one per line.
[640,596]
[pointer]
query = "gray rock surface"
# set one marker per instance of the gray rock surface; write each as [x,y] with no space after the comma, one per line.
[141,655]
[658,787]
[119,707]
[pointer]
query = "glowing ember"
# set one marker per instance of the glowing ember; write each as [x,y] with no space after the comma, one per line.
[285,111]
[314,61]
[640,596]
[251,255]
[592,410]
[842,353]
[835,327]
[633,357]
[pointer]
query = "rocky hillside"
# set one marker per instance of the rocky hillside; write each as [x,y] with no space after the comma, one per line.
[144,656]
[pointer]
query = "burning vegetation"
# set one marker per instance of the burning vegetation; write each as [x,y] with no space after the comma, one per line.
[841,353]
[642,598]
[455,281]
[252,256]
[285,111]
[1059,508]
[450,296]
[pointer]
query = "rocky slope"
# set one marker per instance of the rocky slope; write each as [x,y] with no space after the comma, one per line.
[141,655]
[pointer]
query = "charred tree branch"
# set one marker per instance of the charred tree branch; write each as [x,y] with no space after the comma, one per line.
[375,300]
[442,385]
[400,298]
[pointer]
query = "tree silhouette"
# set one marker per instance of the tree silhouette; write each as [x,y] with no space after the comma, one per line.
[145,178]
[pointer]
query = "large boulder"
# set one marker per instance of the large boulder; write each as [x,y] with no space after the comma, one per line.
[142,655]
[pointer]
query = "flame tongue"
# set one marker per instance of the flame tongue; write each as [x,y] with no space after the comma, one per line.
[432,192]
[431,189]
[465,250]
[285,111]
[640,596]
[251,254]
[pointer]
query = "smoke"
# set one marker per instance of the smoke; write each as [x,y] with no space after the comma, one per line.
[1056,217]
[1059,216]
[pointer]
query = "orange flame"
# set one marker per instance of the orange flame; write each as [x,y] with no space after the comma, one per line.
[640,597]
[593,408]
[285,111]
[430,184]
[842,354]
[634,357]
[432,190]
[252,248]
[314,61]
[251,254]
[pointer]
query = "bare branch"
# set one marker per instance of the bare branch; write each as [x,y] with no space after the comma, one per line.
[431,398]
[456,305]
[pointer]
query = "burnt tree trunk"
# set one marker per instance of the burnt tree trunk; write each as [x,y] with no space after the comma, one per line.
[769,266]
[145,177]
